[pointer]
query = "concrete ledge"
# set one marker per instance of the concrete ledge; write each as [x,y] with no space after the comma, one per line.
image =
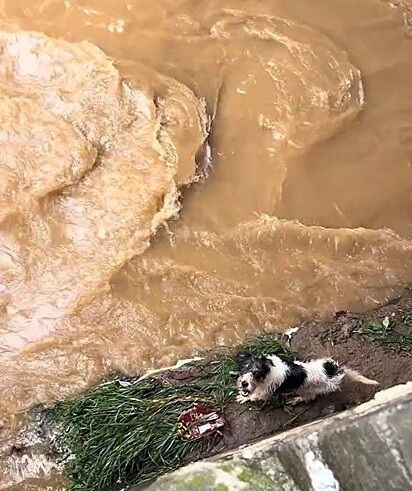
[368,448]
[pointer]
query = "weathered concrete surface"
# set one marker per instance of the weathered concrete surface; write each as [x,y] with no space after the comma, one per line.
[368,448]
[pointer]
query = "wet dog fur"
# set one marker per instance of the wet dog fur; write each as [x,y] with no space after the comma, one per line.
[262,376]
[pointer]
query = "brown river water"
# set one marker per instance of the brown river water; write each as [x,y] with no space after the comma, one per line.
[180,174]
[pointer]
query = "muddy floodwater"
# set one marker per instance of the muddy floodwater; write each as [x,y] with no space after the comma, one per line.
[180,174]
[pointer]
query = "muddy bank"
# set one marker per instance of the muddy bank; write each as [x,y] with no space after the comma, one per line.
[342,338]
[365,448]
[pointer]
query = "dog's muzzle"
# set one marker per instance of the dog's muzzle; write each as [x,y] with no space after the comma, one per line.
[243,386]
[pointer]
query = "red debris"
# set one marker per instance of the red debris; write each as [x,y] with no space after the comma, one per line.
[198,422]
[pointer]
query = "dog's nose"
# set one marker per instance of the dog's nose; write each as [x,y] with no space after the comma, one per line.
[244,383]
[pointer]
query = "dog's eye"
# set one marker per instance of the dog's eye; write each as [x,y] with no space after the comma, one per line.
[257,375]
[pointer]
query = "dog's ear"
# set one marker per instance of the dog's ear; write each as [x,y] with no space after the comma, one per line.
[242,359]
[265,361]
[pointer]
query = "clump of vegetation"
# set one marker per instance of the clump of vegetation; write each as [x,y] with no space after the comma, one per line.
[125,432]
[378,331]
[386,332]
[407,318]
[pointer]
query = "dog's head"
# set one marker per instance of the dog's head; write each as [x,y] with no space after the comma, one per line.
[252,371]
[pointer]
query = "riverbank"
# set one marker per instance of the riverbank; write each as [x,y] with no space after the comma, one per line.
[112,422]
[367,447]
[344,339]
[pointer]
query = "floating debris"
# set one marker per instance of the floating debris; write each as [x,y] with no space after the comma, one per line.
[179,364]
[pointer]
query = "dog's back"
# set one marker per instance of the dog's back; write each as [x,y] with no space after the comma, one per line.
[332,368]
[323,376]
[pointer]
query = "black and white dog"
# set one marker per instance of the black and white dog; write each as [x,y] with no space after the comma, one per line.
[261,376]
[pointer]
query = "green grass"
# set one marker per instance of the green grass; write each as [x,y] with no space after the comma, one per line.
[378,331]
[407,318]
[126,432]
[386,334]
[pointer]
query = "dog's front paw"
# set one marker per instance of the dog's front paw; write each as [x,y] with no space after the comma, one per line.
[242,399]
[294,401]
